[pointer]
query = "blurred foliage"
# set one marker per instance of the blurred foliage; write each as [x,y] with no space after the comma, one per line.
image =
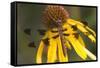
[29,16]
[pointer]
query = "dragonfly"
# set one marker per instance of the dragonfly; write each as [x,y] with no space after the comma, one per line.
[62,33]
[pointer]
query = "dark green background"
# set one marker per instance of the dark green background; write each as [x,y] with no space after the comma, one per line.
[29,16]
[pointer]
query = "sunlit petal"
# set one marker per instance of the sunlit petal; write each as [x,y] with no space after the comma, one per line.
[39,52]
[81,40]
[92,56]
[78,47]
[67,44]
[81,27]
[52,48]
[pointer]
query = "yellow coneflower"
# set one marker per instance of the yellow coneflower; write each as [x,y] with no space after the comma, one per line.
[62,35]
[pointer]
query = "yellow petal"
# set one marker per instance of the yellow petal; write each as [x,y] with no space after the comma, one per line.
[92,56]
[74,22]
[85,30]
[81,40]
[68,27]
[78,47]
[68,45]
[61,56]
[39,53]
[91,31]
[71,21]
[81,28]
[52,48]
[92,38]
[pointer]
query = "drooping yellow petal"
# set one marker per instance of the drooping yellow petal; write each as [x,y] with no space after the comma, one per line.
[39,52]
[92,38]
[91,31]
[52,48]
[78,47]
[92,56]
[67,44]
[74,22]
[61,56]
[71,21]
[85,30]
[68,27]
[81,40]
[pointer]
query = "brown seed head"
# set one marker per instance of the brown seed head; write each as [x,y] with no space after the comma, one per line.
[54,13]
